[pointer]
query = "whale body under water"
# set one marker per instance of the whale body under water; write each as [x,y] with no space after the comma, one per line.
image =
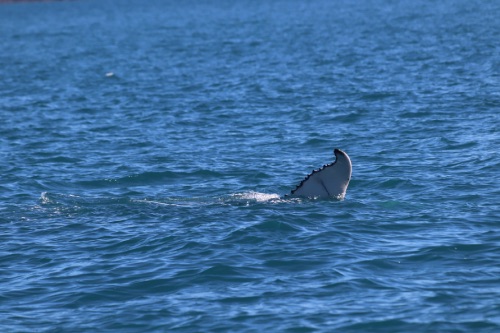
[330,181]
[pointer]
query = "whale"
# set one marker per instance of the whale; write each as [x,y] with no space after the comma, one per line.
[329,181]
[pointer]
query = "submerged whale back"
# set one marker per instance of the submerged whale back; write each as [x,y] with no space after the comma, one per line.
[329,181]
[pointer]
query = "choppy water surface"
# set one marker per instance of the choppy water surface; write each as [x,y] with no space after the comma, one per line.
[146,147]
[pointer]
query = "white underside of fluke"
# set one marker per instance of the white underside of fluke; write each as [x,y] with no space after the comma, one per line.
[330,181]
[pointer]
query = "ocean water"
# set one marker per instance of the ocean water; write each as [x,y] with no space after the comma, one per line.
[146,148]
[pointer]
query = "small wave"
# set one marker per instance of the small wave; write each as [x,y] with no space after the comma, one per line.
[236,199]
[178,201]
[77,202]
[48,198]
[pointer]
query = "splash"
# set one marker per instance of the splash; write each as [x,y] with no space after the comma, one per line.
[256,196]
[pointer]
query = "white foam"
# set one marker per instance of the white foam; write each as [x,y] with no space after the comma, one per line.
[257,196]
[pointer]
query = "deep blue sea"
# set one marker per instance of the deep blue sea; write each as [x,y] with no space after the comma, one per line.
[146,148]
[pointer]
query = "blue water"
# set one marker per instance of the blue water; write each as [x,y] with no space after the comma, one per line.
[146,148]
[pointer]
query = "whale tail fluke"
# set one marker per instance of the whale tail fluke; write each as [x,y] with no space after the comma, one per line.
[330,181]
